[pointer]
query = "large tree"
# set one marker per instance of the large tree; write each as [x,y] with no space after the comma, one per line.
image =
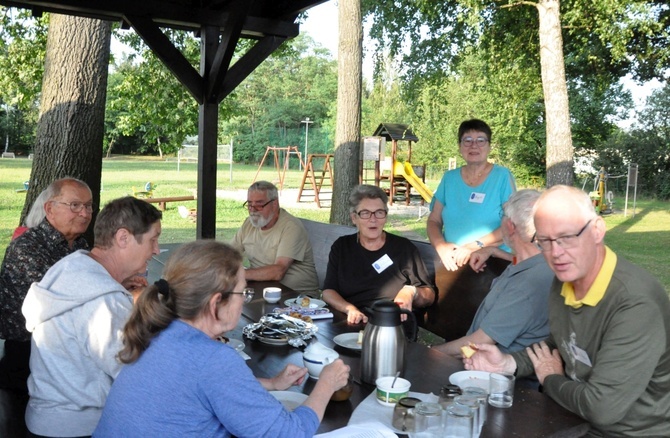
[348,125]
[603,38]
[71,121]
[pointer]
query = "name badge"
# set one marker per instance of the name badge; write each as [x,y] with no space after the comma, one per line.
[383,263]
[580,355]
[477,197]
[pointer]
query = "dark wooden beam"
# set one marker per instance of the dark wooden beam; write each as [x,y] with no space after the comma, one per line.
[247,63]
[177,14]
[207,135]
[224,54]
[169,54]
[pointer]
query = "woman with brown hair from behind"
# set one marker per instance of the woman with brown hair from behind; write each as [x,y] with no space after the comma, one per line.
[181,381]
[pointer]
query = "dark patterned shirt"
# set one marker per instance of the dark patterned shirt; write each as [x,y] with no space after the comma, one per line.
[27,259]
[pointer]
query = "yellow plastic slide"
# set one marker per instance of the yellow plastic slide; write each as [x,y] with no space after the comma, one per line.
[405,170]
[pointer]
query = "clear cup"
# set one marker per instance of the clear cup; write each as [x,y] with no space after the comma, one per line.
[458,421]
[428,421]
[447,395]
[471,403]
[482,398]
[501,390]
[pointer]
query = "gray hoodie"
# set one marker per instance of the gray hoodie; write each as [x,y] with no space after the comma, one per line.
[76,315]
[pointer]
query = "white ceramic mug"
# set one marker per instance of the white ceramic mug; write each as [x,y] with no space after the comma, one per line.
[272,294]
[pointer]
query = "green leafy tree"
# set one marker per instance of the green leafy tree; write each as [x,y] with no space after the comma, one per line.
[149,101]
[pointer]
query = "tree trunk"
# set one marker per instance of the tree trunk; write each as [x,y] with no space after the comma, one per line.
[348,124]
[72,109]
[559,134]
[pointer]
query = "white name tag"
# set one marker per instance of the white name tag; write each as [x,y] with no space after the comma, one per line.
[580,355]
[477,197]
[383,263]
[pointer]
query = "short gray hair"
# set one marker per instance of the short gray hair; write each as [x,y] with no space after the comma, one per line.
[267,187]
[365,191]
[519,209]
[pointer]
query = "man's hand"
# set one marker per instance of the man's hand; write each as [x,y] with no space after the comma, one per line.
[489,358]
[545,361]
[478,258]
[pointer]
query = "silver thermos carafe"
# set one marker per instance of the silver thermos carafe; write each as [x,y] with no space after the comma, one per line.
[383,350]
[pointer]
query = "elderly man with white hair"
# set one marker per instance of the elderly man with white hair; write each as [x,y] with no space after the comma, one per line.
[607,357]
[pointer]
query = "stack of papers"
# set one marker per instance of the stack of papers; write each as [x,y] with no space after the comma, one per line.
[365,430]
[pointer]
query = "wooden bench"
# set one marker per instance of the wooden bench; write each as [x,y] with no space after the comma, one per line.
[8,155]
[163,201]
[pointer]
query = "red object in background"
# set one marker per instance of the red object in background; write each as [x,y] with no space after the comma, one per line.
[18,231]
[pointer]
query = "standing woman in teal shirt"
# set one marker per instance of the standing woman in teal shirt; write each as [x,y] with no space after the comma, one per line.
[465,216]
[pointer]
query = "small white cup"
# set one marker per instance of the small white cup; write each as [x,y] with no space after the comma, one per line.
[272,294]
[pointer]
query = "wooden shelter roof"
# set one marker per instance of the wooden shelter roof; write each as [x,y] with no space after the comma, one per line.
[395,131]
[220,24]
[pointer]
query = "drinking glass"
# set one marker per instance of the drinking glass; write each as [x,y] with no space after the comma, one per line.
[482,397]
[501,390]
[458,421]
[427,421]
[471,403]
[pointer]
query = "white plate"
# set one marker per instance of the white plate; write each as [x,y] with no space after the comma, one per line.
[479,379]
[348,340]
[290,399]
[313,303]
[273,341]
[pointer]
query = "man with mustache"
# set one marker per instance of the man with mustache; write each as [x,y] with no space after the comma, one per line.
[275,243]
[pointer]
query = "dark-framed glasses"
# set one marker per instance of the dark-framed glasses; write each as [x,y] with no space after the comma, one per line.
[565,242]
[367,214]
[247,293]
[479,141]
[76,207]
[256,206]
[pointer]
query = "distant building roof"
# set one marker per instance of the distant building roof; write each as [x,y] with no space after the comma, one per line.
[395,131]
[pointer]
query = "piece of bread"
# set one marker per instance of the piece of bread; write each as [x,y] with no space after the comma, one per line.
[304,302]
[468,350]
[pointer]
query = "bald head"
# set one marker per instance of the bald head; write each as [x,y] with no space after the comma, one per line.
[571,235]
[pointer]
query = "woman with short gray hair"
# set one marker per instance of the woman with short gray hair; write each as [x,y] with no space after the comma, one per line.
[372,264]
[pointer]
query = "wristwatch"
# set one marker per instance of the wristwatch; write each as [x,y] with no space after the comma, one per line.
[479,243]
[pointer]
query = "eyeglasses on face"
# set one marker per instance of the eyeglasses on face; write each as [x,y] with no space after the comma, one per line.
[256,206]
[248,294]
[367,214]
[479,141]
[565,242]
[76,207]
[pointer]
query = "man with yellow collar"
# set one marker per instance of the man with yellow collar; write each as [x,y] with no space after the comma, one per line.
[607,358]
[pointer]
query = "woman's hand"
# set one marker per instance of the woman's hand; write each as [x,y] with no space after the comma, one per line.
[355,316]
[292,375]
[335,375]
[446,253]
[404,299]
[461,255]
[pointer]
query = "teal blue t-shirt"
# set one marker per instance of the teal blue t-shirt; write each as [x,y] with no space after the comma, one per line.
[472,212]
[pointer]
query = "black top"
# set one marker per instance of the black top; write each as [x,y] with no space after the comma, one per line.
[352,275]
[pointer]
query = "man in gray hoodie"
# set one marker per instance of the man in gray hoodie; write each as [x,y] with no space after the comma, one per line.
[76,314]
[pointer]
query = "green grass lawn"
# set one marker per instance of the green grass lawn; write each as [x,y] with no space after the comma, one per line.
[643,239]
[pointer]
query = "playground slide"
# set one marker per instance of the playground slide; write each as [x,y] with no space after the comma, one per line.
[405,170]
